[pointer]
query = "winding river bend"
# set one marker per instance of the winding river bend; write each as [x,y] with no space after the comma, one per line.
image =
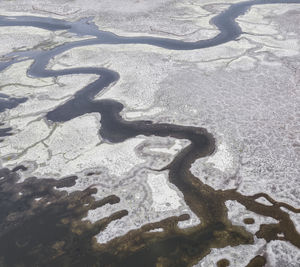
[54,234]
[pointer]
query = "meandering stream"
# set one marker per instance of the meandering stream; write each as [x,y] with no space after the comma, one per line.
[42,228]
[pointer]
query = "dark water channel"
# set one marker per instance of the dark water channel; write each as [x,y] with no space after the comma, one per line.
[51,233]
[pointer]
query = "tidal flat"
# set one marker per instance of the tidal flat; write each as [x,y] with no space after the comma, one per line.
[162,133]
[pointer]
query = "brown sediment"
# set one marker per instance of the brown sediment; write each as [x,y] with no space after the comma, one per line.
[172,247]
[39,224]
[215,231]
[258,261]
[50,232]
[276,203]
[68,241]
[249,221]
[54,234]
[284,226]
[270,232]
[223,263]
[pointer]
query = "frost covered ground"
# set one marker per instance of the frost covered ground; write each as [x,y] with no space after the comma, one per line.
[244,92]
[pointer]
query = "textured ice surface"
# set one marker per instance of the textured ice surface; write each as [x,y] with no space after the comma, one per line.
[148,197]
[219,169]
[237,213]
[264,201]
[16,38]
[245,92]
[238,256]
[254,113]
[281,253]
[164,198]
